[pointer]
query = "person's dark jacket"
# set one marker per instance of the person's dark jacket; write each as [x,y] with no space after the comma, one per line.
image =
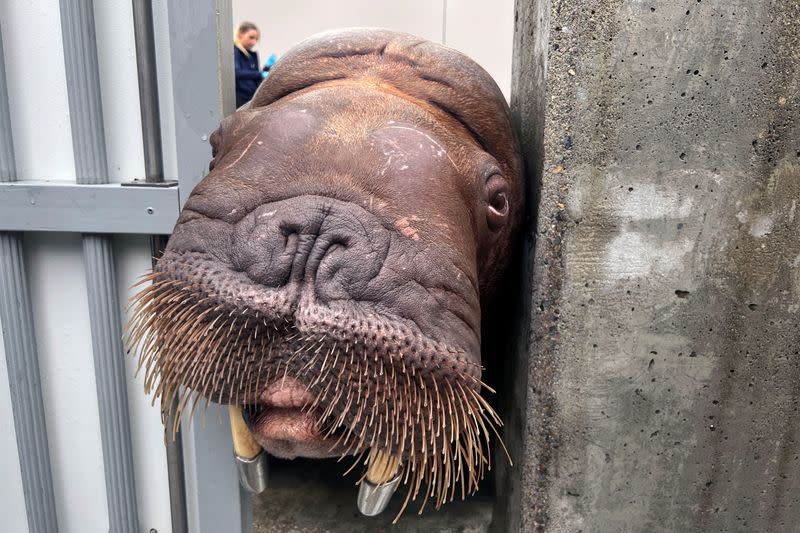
[248,75]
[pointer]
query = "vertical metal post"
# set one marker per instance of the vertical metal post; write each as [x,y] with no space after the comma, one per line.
[8,164]
[86,118]
[226,85]
[444,21]
[199,31]
[203,30]
[144,34]
[176,473]
[83,85]
[22,360]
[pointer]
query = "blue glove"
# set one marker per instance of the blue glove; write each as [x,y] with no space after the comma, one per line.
[270,61]
[264,74]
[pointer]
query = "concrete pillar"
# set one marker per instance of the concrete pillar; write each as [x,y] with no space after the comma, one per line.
[663,364]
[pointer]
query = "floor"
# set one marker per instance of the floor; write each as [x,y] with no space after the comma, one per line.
[306,496]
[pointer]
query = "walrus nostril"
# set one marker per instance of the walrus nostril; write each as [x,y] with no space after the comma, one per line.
[290,243]
[272,244]
[332,250]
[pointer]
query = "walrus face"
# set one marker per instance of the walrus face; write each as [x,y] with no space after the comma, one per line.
[329,272]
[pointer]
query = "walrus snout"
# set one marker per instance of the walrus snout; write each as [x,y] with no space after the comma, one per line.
[307,258]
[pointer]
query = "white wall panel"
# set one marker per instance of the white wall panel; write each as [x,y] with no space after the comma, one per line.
[12,499]
[58,296]
[37,89]
[483,30]
[283,24]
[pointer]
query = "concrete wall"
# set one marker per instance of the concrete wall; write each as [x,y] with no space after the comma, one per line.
[482,29]
[663,377]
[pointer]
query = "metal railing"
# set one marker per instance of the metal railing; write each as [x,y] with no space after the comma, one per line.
[202,94]
[20,344]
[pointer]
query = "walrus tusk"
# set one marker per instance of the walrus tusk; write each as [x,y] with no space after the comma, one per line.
[379,484]
[251,461]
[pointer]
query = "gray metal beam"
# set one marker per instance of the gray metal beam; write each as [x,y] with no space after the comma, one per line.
[8,165]
[22,359]
[86,118]
[144,32]
[104,208]
[176,476]
[109,364]
[83,87]
[148,89]
[215,500]
[226,77]
[203,93]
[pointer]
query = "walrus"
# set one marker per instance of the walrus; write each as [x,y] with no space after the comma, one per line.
[331,272]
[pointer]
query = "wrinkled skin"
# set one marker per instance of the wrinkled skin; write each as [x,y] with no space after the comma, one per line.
[364,202]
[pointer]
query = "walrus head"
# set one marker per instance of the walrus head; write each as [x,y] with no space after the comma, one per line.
[331,271]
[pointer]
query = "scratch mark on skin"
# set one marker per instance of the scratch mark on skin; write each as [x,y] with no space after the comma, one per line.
[431,139]
[247,148]
[404,227]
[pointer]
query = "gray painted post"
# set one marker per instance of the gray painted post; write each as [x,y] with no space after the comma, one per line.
[144,34]
[83,85]
[664,372]
[154,173]
[22,359]
[8,165]
[215,501]
[86,118]
[199,31]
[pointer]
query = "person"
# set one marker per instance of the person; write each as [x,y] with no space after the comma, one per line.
[248,73]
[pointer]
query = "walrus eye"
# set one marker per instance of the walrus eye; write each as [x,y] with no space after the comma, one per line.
[497,198]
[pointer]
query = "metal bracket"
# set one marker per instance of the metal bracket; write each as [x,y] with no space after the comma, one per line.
[157,184]
[104,208]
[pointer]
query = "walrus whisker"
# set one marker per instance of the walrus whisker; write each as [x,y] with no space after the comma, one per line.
[192,350]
